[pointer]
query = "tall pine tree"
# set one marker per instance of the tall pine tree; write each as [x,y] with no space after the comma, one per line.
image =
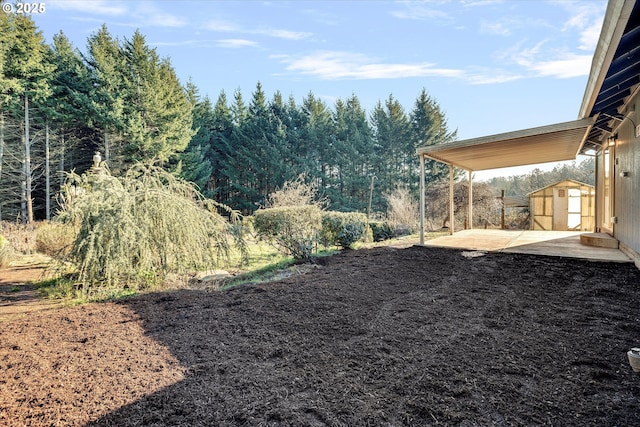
[428,127]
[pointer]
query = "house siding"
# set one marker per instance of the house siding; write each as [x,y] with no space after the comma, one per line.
[627,188]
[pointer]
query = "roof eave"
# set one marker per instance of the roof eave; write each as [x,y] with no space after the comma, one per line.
[615,22]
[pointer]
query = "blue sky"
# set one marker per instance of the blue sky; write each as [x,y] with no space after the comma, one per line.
[493,66]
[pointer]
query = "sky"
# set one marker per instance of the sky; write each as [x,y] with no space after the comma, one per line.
[493,66]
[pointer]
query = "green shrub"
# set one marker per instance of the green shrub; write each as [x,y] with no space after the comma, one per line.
[6,253]
[292,229]
[381,230]
[344,229]
[55,239]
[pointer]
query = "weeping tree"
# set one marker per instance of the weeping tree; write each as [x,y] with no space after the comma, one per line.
[133,230]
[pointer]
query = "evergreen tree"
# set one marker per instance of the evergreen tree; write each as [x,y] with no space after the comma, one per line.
[237,168]
[316,143]
[391,141]
[27,74]
[158,115]
[220,149]
[106,63]
[428,127]
[353,155]
[9,86]
[196,160]
[68,111]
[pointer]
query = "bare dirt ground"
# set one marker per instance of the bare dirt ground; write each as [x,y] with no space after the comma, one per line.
[374,337]
[18,296]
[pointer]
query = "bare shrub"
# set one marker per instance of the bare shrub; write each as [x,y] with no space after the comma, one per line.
[402,211]
[21,237]
[54,239]
[295,193]
[486,205]
[6,252]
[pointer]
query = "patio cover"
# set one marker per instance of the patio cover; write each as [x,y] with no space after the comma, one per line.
[552,143]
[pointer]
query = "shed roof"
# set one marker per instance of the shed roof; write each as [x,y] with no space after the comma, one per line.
[572,181]
[552,143]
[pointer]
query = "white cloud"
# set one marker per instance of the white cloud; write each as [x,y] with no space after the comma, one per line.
[571,66]
[235,43]
[500,28]
[97,7]
[590,35]
[145,14]
[221,26]
[281,34]
[537,61]
[487,77]
[230,27]
[422,11]
[587,19]
[148,15]
[331,65]
[475,3]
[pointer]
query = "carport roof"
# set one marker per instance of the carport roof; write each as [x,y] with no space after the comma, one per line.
[552,143]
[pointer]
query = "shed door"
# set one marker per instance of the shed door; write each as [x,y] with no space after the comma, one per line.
[560,209]
[575,205]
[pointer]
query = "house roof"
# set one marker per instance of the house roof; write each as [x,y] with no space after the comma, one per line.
[614,77]
[561,141]
[615,71]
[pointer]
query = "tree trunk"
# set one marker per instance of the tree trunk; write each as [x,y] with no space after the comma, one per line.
[62,154]
[27,162]
[1,151]
[47,172]
[107,151]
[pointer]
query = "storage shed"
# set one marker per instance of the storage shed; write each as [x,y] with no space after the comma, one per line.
[564,206]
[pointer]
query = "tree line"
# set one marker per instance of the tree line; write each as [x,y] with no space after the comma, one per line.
[59,106]
[520,185]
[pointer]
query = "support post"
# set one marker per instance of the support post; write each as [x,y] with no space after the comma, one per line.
[452,218]
[470,202]
[502,213]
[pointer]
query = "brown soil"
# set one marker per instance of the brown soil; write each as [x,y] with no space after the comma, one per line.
[375,337]
[18,296]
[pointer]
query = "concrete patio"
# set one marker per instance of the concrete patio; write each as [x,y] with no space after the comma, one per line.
[552,243]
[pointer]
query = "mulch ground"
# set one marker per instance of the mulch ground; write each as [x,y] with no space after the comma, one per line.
[376,337]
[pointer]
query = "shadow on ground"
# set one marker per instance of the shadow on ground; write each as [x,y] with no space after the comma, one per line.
[402,337]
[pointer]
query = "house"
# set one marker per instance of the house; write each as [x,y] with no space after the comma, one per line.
[607,127]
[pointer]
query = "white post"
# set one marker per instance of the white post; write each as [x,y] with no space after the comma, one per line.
[470,202]
[451,207]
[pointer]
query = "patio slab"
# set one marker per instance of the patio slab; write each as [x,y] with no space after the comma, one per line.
[551,243]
